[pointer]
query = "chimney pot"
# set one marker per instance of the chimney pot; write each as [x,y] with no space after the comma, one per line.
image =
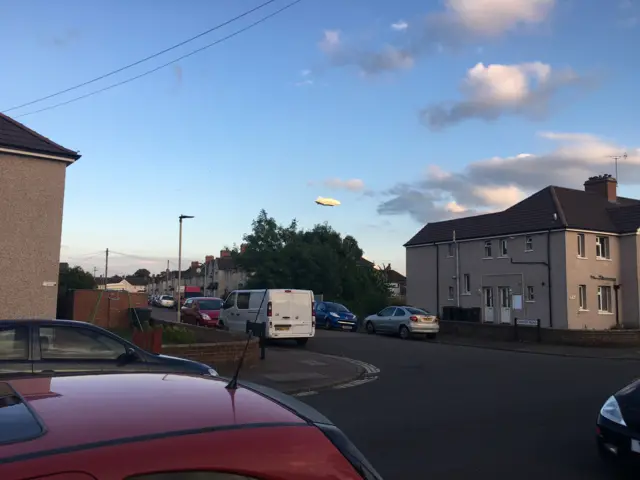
[603,185]
[225,253]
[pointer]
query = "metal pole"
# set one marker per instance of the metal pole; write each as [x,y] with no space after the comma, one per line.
[179,272]
[457,270]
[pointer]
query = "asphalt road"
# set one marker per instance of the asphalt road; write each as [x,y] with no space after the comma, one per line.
[448,412]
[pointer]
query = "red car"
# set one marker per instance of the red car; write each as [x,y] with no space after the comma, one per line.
[165,426]
[202,311]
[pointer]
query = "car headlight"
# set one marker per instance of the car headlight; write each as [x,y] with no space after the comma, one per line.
[205,316]
[213,372]
[334,314]
[611,411]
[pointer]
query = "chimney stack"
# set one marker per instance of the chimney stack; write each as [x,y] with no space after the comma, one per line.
[243,248]
[195,264]
[225,253]
[603,185]
[208,259]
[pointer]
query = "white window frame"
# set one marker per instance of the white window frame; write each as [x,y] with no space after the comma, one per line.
[603,251]
[466,284]
[528,243]
[488,249]
[582,252]
[604,299]
[451,251]
[503,249]
[583,306]
[531,296]
[452,293]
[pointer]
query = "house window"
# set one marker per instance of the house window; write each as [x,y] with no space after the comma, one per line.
[602,247]
[451,293]
[530,294]
[604,299]
[487,249]
[467,283]
[528,244]
[504,251]
[581,249]
[450,249]
[582,297]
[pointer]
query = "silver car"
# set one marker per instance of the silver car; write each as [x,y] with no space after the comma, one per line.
[404,321]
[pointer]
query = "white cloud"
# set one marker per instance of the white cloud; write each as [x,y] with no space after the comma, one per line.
[491,91]
[399,26]
[496,183]
[462,23]
[354,184]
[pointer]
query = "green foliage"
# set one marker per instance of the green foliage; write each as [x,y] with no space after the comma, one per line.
[319,259]
[142,273]
[177,335]
[74,278]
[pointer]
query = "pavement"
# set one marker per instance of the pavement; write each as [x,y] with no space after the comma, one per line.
[442,411]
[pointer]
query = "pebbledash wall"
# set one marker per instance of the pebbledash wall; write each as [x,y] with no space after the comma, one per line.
[214,347]
[583,338]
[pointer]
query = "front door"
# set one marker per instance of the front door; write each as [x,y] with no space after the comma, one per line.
[505,304]
[487,295]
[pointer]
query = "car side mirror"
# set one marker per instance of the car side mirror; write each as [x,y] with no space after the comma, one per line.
[132,354]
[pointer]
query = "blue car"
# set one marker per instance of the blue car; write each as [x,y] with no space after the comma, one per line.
[334,315]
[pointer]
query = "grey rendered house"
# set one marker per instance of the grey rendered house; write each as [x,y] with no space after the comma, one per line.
[568,257]
[32,182]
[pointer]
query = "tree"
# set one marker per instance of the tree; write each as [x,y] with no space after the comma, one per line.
[319,259]
[142,273]
[74,278]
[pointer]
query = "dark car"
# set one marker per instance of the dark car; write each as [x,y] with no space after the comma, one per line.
[335,315]
[43,347]
[618,426]
[166,427]
[202,311]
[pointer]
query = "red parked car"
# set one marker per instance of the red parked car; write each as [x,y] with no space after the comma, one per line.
[166,426]
[202,311]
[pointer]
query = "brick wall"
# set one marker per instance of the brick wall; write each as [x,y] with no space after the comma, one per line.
[590,338]
[112,308]
[215,354]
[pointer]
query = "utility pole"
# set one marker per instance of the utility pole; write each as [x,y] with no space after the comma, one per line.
[167,277]
[181,217]
[106,268]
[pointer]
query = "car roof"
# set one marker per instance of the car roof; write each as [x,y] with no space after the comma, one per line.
[45,321]
[88,409]
[206,298]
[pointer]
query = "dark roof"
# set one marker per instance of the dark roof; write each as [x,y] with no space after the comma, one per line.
[363,262]
[395,277]
[572,208]
[15,135]
[138,281]
[226,263]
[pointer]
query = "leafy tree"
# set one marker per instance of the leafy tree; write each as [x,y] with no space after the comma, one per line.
[142,273]
[319,259]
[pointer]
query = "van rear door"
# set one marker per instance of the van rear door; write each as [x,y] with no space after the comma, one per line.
[291,313]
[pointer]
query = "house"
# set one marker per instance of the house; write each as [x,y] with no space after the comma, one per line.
[32,183]
[396,281]
[568,257]
[128,284]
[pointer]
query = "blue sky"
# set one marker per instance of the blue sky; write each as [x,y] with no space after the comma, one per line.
[328,90]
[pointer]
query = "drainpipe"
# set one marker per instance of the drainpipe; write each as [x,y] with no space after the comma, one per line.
[549,278]
[438,279]
[457,270]
[616,289]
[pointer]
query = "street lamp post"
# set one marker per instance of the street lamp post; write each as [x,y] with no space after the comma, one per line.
[181,217]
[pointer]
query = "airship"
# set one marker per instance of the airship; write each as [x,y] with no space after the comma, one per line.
[327,202]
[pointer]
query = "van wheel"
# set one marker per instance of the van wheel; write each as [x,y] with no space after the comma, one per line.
[370,328]
[302,341]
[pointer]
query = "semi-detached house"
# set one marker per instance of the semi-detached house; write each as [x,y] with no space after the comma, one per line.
[568,257]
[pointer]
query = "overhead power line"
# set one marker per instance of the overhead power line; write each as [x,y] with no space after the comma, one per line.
[138,62]
[149,72]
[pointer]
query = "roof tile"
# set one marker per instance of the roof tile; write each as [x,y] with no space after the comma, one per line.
[15,135]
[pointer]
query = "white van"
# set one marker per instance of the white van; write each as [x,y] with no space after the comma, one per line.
[287,313]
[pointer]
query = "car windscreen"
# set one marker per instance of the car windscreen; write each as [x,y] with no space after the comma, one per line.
[336,307]
[416,311]
[192,294]
[166,297]
[210,304]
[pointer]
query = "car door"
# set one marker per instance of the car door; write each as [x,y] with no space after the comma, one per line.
[230,312]
[69,349]
[399,317]
[242,310]
[15,348]
[321,314]
[381,320]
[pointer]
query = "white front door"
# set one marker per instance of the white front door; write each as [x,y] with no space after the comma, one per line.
[505,304]
[487,295]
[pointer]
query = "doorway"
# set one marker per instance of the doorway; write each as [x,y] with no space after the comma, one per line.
[505,304]
[487,295]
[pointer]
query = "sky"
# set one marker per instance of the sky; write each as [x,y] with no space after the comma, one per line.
[408,112]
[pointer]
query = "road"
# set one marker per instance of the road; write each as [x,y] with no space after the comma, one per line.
[449,412]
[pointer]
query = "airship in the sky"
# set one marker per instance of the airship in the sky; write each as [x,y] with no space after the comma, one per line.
[327,202]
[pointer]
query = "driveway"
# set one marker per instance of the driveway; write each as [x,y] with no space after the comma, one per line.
[447,412]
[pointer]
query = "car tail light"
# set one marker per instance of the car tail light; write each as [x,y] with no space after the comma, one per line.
[413,318]
[269,309]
